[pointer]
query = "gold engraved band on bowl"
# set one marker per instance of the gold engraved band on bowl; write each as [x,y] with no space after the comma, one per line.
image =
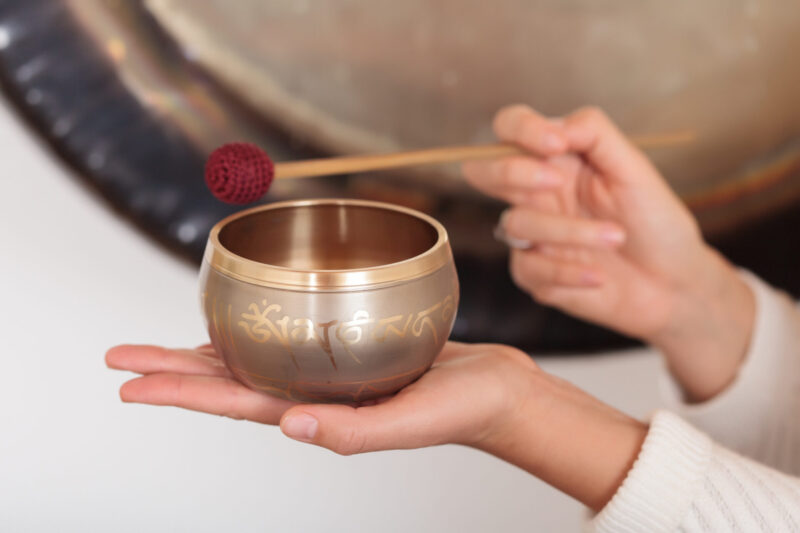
[234,266]
[262,324]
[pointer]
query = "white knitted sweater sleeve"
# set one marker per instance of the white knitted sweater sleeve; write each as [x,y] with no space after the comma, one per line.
[758,415]
[683,480]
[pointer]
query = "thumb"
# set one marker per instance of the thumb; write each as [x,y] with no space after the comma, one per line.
[350,430]
[645,201]
[590,132]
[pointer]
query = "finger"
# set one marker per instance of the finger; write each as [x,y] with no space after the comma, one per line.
[544,201]
[522,125]
[375,401]
[535,227]
[152,359]
[209,350]
[366,403]
[590,132]
[572,254]
[207,394]
[581,302]
[532,270]
[518,172]
[452,350]
[399,423]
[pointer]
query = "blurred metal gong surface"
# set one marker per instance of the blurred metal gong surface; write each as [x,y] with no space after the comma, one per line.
[135,95]
[355,76]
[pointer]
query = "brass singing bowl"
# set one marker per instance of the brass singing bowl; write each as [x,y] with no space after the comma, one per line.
[328,300]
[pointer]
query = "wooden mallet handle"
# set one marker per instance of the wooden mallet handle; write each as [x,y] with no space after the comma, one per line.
[447,154]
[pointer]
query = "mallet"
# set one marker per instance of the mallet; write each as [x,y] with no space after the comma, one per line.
[241,173]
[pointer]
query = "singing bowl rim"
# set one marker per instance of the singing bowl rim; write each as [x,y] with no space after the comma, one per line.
[235,266]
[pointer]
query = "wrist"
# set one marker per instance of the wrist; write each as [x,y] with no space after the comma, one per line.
[569,440]
[709,332]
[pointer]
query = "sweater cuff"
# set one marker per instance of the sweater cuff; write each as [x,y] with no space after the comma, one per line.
[660,488]
[770,356]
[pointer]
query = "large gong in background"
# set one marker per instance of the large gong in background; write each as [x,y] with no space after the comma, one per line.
[383,75]
[334,76]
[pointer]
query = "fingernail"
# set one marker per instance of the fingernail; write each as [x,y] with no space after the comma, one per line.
[553,142]
[501,235]
[300,427]
[501,222]
[613,235]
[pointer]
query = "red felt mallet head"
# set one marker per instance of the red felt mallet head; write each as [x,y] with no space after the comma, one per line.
[239,173]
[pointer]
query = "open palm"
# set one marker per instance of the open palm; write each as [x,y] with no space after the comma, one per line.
[457,400]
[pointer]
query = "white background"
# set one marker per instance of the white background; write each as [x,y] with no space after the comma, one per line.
[76,279]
